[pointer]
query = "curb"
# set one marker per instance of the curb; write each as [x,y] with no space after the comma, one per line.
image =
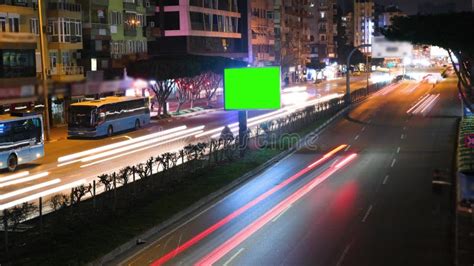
[128,246]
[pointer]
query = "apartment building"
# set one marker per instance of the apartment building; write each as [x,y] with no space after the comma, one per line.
[262,48]
[363,23]
[326,29]
[292,37]
[215,28]
[17,52]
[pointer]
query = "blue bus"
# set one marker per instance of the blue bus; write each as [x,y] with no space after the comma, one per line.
[105,116]
[21,139]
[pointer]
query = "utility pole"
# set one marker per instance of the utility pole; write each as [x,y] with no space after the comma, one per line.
[44,76]
[348,77]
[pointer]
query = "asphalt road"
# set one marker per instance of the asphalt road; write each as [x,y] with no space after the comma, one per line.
[62,177]
[370,203]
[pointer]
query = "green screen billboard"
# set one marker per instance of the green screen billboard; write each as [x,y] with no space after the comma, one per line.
[252,88]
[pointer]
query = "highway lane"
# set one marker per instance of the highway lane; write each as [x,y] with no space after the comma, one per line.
[81,172]
[349,219]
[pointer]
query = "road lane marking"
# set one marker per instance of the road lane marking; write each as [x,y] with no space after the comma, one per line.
[398,150]
[402,136]
[363,129]
[367,213]
[233,257]
[356,137]
[385,180]
[279,215]
[347,148]
[344,253]
[393,162]
[404,128]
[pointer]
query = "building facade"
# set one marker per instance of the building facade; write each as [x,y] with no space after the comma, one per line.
[326,29]
[262,48]
[18,43]
[363,23]
[214,28]
[293,37]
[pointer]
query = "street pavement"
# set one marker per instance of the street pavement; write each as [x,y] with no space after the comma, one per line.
[47,176]
[370,202]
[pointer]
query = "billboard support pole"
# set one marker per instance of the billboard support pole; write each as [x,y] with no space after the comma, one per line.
[348,76]
[243,136]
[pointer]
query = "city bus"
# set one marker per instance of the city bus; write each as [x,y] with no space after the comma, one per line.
[106,116]
[21,139]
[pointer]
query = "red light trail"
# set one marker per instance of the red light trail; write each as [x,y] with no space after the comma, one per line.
[245,233]
[168,256]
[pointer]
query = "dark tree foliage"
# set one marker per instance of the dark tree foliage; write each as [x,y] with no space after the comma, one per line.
[451,31]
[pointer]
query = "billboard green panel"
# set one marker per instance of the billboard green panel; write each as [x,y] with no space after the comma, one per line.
[252,88]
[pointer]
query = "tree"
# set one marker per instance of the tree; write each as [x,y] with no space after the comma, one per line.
[211,84]
[164,70]
[452,31]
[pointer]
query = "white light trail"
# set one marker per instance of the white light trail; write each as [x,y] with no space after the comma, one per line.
[14,176]
[189,134]
[42,194]
[118,144]
[30,188]
[22,180]
[140,144]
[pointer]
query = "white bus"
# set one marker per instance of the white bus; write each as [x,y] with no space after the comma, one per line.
[21,139]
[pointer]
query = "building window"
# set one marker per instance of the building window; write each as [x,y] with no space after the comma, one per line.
[34,26]
[14,23]
[3,22]
[115,18]
[17,63]
[65,30]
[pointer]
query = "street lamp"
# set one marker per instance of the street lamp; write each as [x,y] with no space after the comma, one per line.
[44,77]
[348,78]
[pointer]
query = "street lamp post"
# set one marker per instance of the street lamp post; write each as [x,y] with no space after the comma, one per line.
[348,77]
[44,77]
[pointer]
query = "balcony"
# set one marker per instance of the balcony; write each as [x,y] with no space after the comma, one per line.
[130,31]
[130,6]
[22,7]
[69,10]
[101,3]
[17,40]
[66,73]
[100,31]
